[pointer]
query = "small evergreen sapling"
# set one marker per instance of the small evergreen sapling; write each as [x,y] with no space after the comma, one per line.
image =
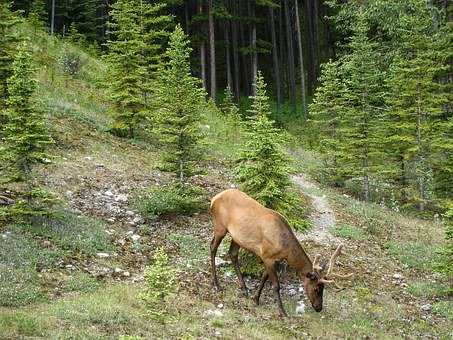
[26,138]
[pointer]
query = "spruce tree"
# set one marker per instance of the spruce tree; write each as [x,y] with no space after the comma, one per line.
[327,111]
[229,107]
[177,100]
[25,139]
[8,42]
[360,150]
[38,14]
[416,122]
[126,71]
[262,166]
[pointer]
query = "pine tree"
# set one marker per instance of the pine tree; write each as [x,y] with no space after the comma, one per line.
[177,99]
[8,41]
[26,137]
[38,15]
[327,111]
[126,71]
[229,107]
[360,152]
[262,166]
[25,142]
[416,115]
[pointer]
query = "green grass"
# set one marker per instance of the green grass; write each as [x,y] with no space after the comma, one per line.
[82,282]
[427,289]
[415,255]
[348,231]
[444,308]
[192,250]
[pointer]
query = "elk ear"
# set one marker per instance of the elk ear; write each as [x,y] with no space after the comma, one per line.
[312,276]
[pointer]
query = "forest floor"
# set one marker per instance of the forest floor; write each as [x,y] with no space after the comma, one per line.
[81,277]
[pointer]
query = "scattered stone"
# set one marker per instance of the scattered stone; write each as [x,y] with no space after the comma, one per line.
[137,220]
[426,308]
[126,274]
[117,270]
[217,333]
[121,198]
[220,262]
[292,292]
[108,193]
[103,255]
[46,243]
[213,313]
[70,267]
[130,213]
[398,276]
[300,308]
[135,237]
[220,305]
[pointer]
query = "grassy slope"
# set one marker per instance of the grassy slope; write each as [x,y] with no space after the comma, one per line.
[379,244]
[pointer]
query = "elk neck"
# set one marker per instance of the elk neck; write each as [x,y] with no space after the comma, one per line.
[298,258]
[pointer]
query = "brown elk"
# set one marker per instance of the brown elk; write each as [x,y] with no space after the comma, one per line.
[267,234]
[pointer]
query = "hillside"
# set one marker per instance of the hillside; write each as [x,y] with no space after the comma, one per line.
[81,275]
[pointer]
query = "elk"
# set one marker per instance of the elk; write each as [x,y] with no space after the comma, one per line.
[267,234]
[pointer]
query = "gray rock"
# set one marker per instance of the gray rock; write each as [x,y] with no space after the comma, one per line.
[426,307]
[103,255]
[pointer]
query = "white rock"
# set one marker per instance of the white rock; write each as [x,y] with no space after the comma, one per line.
[398,276]
[121,198]
[108,193]
[426,308]
[117,270]
[220,262]
[130,213]
[135,237]
[102,255]
[300,308]
[126,274]
[137,219]
[213,313]
[220,305]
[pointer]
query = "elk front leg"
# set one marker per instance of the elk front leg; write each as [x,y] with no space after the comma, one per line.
[270,268]
[214,245]
[233,253]
[256,298]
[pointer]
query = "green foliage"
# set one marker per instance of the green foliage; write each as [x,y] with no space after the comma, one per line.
[174,198]
[262,165]
[251,264]
[160,279]
[444,308]
[178,98]
[8,44]
[415,255]
[37,15]
[348,231]
[191,249]
[427,289]
[76,234]
[126,71]
[19,286]
[82,282]
[445,265]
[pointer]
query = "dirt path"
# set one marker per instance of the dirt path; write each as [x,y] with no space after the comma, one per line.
[322,215]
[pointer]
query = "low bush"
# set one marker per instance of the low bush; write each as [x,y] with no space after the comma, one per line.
[171,199]
[251,264]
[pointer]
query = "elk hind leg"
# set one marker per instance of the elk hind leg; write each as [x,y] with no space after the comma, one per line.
[264,278]
[233,253]
[219,234]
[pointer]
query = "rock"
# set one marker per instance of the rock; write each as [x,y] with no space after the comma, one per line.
[398,276]
[102,255]
[137,220]
[117,270]
[426,307]
[220,305]
[213,313]
[300,308]
[220,262]
[121,198]
[130,213]
[292,292]
[217,333]
[135,237]
[46,243]
[126,274]
[70,267]
[88,158]
[108,193]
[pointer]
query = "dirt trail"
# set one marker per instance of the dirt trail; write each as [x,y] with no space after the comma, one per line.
[322,215]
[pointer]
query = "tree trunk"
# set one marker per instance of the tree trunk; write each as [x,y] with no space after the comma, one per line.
[227,55]
[237,90]
[254,52]
[52,20]
[202,50]
[275,58]
[212,50]
[289,40]
[301,60]
[245,71]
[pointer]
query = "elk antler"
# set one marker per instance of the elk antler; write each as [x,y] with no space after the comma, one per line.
[329,275]
[316,266]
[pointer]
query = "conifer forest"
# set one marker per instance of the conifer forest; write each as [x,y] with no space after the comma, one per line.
[197,169]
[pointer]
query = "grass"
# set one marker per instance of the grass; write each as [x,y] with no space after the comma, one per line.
[444,308]
[427,289]
[348,231]
[192,251]
[415,255]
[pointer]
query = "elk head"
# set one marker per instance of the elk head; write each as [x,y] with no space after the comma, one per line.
[314,280]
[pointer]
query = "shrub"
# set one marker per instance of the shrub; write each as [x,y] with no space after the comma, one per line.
[250,264]
[70,62]
[175,198]
[160,280]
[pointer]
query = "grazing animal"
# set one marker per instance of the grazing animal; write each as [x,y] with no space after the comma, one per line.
[267,234]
